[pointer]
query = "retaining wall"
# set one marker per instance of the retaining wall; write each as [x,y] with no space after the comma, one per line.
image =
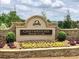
[71,32]
[39,52]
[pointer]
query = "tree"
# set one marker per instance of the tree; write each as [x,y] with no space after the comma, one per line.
[3,18]
[74,24]
[48,20]
[67,22]
[13,16]
[60,24]
[9,18]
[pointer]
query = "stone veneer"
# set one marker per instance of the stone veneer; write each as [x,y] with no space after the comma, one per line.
[39,52]
[34,24]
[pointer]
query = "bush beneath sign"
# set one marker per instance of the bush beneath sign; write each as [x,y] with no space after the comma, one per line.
[10,37]
[61,36]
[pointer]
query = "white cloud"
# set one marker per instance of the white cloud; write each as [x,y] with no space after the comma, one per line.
[22,7]
[36,3]
[53,3]
[64,9]
[58,3]
[26,1]
[77,5]
[72,10]
[31,2]
[26,15]
[5,1]
[5,11]
[44,3]
[54,8]
[47,2]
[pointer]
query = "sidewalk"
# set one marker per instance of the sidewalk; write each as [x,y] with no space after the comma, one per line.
[74,57]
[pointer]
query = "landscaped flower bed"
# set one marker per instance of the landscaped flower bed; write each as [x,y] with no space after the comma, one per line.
[73,41]
[41,44]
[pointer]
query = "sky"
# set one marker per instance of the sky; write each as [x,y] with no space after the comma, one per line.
[55,10]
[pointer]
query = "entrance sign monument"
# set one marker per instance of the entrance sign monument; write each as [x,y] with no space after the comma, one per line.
[35,28]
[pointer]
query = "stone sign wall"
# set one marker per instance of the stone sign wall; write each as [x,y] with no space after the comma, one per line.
[35,28]
[36,22]
[23,34]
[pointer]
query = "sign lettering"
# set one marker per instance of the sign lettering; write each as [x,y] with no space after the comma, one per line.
[35,32]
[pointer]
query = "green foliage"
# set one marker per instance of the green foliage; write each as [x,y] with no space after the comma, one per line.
[61,36]
[14,17]
[48,20]
[8,18]
[74,24]
[60,24]
[10,37]
[67,23]
[3,26]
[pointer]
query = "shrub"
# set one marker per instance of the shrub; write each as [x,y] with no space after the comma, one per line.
[10,37]
[61,36]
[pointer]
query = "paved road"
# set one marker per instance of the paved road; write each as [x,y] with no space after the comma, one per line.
[75,57]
